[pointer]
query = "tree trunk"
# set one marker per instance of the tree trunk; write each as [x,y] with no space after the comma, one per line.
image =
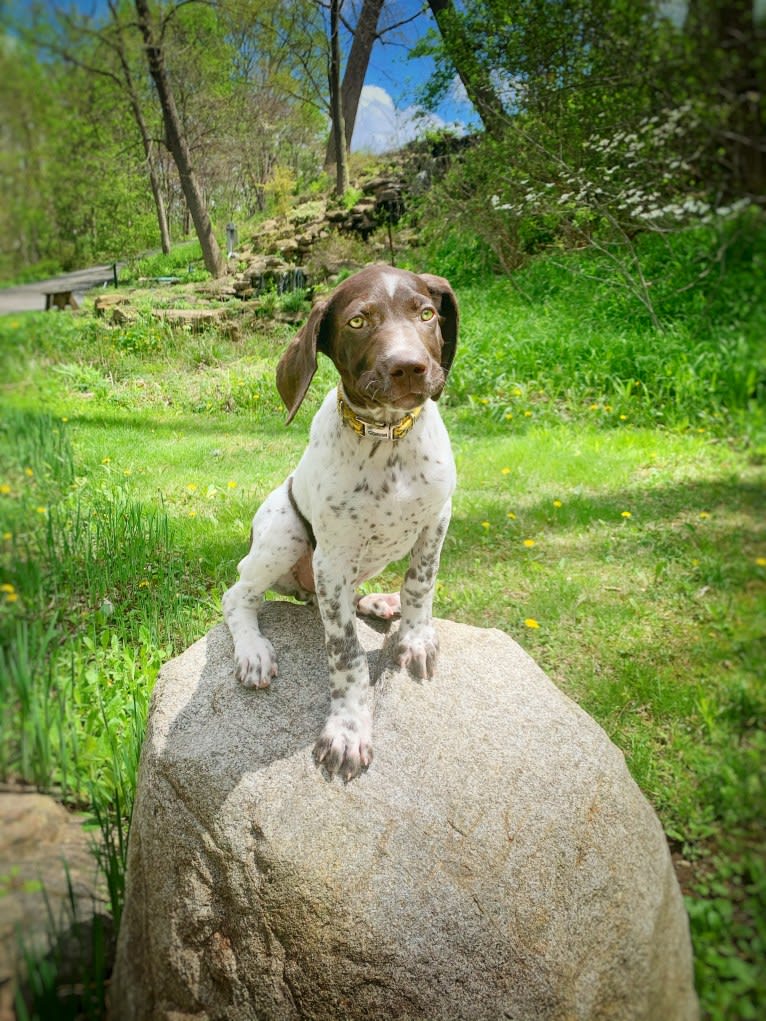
[730,41]
[179,150]
[472,74]
[138,117]
[336,106]
[356,69]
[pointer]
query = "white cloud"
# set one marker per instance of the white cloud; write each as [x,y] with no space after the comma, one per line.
[380,126]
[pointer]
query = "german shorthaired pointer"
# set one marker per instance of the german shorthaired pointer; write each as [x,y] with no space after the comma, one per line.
[374,485]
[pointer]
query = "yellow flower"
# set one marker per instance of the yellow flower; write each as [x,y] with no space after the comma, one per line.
[64,418]
[626,514]
[29,473]
[511,515]
[7,587]
[128,471]
[106,460]
[505,471]
[704,515]
[607,407]
[508,416]
[593,407]
[11,597]
[5,489]
[529,543]
[623,418]
[530,622]
[557,503]
[41,510]
[527,414]
[192,514]
[191,488]
[484,400]
[232,484]
[7,536]
[760,561]
[143,583]
[485,524]
[517,392]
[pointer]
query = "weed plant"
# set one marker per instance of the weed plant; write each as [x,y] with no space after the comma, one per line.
[610,516]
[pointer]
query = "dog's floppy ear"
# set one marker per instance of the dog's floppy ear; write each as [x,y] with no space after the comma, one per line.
[446,305]
[299,362]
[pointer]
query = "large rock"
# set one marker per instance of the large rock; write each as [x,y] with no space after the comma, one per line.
[496,861]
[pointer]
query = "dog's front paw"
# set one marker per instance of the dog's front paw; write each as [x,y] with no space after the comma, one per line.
[417,650]
[345,745]
[255,661]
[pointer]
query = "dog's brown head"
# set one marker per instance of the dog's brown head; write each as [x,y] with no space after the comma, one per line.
[391,334]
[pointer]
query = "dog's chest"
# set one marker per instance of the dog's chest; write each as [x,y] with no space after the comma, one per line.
[374,497]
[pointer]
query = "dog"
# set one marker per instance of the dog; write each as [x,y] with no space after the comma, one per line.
[374,485]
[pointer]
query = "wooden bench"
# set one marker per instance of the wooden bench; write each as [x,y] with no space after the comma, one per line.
[60,299]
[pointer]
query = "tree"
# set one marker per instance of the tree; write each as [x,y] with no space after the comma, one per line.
[175,139]
[365,34]
[476,79]
[336,104]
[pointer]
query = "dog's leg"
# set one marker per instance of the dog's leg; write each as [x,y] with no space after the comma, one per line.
[345,744]
[277,545]
[418,644]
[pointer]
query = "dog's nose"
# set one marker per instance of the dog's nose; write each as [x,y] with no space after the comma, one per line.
[408,371]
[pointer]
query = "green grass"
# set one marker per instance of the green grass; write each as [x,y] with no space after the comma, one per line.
[620,537]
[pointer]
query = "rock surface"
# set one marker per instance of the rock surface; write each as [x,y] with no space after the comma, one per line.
[496,861]
[37,835]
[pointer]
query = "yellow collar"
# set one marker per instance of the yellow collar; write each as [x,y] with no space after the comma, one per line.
[376,430]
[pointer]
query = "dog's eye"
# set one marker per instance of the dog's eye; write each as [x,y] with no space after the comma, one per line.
[427,314]
[356,322]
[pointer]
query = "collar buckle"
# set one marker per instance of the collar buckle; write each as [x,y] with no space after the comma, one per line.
[375,430]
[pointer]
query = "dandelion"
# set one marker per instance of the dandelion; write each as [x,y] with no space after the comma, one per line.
[5,489]
[704,515]
[29,473]
[529,543]
[593,407]
[623,418]
[485,525]
[508,416]
[517,392]
[64,418]
[11,597]
[527,414]
[7,536]
[191,488]
[106,460]
[232,484]
[143,583]
[505,471]
[128,471]
[511,515]
[760,561]
[626,514]
[557,504]
[41,510]
[531,623]
[7,587]
[192,514]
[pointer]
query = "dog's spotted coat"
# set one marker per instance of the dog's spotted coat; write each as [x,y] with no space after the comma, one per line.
[368,500]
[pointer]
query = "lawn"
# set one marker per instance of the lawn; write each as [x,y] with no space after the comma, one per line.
[617,531]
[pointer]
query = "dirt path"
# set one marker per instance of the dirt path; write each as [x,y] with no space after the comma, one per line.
[31,297]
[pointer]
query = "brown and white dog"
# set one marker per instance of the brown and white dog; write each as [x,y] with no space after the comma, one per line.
[374,485]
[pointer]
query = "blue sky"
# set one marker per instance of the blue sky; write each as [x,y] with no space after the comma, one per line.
[388,112]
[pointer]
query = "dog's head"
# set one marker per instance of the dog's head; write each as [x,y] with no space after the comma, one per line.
[390,333]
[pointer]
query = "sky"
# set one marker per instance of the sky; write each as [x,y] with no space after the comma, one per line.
[389,114]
